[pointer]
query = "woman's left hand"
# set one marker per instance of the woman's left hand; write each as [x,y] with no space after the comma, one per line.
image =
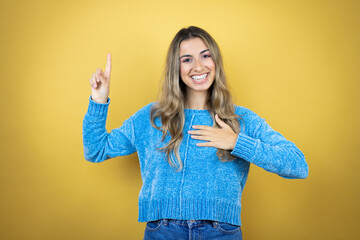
[222,138]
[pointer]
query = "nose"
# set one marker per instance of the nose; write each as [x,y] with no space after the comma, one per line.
[198,65]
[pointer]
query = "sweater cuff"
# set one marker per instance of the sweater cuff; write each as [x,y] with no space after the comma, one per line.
[244,147]
[98,109]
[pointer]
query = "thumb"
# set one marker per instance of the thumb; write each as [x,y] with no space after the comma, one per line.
[221,123]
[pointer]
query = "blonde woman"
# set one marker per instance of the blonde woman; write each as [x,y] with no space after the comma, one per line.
[194,145]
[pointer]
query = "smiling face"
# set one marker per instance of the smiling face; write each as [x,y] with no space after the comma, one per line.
[197,68]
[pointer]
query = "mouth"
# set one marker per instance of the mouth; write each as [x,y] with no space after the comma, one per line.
[199,78]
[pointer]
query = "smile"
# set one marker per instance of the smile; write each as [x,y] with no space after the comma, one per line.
[199,78]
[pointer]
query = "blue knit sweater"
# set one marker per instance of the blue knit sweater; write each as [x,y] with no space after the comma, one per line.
[205,188]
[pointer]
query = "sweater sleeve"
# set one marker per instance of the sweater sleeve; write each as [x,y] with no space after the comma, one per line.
[269,150]
[99,145]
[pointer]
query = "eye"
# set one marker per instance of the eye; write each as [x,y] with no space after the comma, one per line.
[206,56]
[186,60]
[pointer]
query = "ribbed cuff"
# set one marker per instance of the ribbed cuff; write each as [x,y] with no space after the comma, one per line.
[244,147]
[98,109]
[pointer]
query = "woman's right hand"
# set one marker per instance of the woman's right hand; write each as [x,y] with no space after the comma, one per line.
[100,83]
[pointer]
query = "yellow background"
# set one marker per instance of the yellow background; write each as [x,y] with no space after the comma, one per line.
[295,63]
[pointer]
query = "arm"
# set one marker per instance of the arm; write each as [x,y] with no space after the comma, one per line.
[99,145]
[261,145]
[269,150]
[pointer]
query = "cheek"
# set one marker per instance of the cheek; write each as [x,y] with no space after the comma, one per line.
[211,65]
[184,70]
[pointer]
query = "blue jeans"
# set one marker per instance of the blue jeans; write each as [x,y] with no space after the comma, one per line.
[167,229]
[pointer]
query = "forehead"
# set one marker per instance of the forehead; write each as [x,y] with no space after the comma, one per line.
[192,46]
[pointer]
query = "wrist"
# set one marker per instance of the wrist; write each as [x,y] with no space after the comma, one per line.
[99,100]
[233,143]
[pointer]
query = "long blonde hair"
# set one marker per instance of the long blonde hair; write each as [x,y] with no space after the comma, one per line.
[170,107]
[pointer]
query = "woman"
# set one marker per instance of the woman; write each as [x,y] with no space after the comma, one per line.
[194,145]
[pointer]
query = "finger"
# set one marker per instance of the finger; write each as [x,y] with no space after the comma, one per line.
[99,72]
[100,77]
[205,144]
[93,83]
[93,80]
[221,123]
[199,132]
[204,138]
[108,66]
[97,78]
[204,127]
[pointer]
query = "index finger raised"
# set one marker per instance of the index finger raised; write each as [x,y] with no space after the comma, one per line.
[108,66]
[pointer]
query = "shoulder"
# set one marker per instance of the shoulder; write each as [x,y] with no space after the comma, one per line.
[147,108]
[244,112]
[143,113]
[249,120]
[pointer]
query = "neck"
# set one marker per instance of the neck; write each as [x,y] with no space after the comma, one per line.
[196,101]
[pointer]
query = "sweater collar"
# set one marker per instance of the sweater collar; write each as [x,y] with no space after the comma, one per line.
[189,111]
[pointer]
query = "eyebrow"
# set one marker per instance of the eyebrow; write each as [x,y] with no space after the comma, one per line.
[191,55]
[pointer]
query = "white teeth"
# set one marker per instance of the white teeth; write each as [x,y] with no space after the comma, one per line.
[200,77]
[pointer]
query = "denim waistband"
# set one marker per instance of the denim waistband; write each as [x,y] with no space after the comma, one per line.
[189,223]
